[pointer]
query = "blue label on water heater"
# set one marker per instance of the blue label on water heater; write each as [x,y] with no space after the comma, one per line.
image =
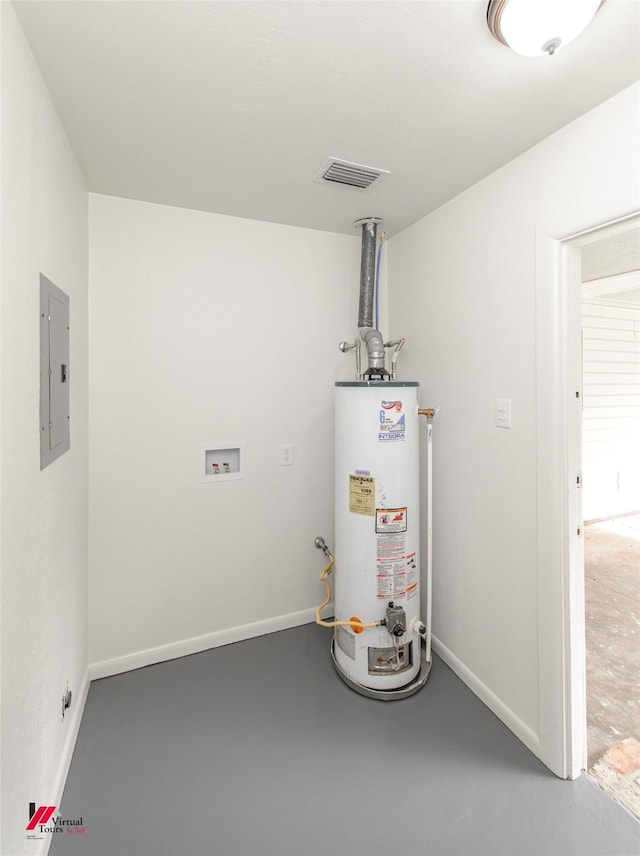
[392,424]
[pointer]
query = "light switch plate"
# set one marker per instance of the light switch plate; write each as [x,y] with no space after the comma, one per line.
[503,412]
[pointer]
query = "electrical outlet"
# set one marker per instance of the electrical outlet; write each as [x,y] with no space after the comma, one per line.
[286,454]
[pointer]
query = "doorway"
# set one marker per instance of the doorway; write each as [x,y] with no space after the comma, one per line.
[610,324]
[560,541]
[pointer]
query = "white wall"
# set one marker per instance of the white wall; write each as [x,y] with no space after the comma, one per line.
[205,328]
[462,291]
[43,514]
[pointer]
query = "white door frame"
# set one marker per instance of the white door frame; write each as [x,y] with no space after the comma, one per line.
[560,559]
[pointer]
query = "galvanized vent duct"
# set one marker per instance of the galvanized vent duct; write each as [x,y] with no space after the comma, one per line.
[371,337]
[367,270]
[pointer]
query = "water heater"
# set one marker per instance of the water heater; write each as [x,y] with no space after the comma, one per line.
[381,645]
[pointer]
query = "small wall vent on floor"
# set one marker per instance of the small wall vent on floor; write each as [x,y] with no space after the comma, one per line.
[351,174]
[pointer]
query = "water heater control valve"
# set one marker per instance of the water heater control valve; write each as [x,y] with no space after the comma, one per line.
[395,620]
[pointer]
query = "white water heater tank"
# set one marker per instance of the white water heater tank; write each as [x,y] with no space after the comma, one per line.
[377,532]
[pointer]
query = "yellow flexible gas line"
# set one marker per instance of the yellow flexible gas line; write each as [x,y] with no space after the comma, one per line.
[324,573]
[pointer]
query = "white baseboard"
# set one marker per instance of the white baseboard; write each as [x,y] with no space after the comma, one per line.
[75,718]
[128,662]
[522,731]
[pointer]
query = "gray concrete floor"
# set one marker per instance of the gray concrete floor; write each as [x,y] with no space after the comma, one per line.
[259,748]
[612,600]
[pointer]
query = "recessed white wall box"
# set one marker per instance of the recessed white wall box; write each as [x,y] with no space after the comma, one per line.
[54,372]
[221,461]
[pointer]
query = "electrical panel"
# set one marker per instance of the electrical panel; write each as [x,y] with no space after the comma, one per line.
[54,372]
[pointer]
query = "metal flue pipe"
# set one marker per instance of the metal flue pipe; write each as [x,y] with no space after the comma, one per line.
[370,336]
[367,270]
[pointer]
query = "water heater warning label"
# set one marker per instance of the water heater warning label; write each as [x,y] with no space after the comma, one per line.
[362,495]
[412,576]
[391,519]
[391,421]
[391,565]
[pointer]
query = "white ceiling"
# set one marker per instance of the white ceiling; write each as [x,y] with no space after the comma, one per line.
[233,106]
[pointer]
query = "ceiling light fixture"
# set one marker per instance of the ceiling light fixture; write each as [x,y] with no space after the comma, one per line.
[539,27]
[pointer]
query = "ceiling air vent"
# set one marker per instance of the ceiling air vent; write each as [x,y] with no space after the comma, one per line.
[351,174]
